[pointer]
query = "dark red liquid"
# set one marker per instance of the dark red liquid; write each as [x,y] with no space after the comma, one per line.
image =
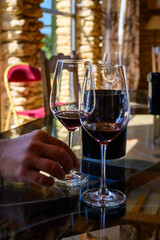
[109,117]
[69,119]
[104,132]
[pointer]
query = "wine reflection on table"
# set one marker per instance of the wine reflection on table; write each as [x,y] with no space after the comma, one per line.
[98,220]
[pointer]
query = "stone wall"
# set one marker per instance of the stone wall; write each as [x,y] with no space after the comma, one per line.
[63,31]
[21,42]
[88,30]
[21,38]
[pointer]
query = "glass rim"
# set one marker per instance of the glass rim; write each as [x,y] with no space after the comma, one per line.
[102,64]
[109,53]
[74,60]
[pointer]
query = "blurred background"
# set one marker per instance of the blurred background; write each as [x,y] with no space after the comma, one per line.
[131,27]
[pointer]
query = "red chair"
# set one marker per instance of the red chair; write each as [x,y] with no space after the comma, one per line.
[23,73]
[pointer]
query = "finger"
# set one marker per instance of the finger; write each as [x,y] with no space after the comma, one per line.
[51,167]
[54,141]
[68,150]
[57,154]
[38,178]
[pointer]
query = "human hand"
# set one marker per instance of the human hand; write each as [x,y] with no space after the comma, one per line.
[24,157]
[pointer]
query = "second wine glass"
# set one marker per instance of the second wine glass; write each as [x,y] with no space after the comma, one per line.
[104,113]
[64,104]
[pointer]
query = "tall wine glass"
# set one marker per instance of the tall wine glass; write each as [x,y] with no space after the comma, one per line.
[104,113]
[64,104]
[112,58]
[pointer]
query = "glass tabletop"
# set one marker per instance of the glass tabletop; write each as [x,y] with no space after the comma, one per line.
[29,211]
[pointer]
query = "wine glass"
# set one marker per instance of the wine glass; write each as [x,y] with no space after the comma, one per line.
[64,104]
[112,58]
[104,113]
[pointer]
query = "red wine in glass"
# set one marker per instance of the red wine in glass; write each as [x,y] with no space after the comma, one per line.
[69,119]
[107,120]
[103,132]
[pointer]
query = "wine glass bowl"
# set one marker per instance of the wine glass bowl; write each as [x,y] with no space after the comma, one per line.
[64,104]
[112,58]
[104,113]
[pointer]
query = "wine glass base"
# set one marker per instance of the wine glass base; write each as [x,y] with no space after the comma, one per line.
[72,179]
[112,198]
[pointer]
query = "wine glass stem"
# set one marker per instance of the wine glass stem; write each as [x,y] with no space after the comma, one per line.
[102,223]
[103,187]
[71,133]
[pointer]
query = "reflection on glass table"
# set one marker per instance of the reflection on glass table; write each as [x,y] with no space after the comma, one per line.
[28,210]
